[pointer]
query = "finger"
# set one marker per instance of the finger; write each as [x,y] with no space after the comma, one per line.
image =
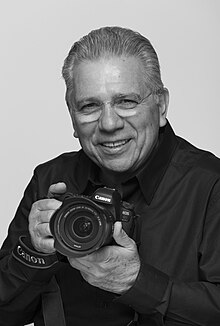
[80,265]
[45,245]
[121,237]
[57,188]
[43,230]
[47,204]
[101,255]
[43,216]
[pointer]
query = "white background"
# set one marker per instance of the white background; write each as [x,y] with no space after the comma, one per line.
[35,38]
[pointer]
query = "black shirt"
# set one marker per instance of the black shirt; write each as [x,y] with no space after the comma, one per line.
[177,198]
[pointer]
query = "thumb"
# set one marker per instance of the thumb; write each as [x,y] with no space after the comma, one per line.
[121,237]
[57,188]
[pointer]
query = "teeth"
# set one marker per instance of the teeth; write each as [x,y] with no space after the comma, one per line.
[115,144]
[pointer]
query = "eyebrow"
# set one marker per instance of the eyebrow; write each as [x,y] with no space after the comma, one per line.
[121,95]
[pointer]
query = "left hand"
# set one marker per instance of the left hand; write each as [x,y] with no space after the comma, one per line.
[111,268]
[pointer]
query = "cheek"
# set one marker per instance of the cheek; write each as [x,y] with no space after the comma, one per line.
[85,133]
[147,129]
[81,129]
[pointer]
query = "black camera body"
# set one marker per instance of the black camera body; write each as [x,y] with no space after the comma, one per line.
[83,224]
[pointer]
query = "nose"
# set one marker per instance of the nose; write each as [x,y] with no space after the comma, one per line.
[109,120]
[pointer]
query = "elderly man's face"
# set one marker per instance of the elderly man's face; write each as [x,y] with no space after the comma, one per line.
[116,123]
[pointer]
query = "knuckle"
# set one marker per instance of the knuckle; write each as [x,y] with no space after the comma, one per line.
[99,273]
[47,228]
[35,205]
[133,243]
[37,233]
[42,246]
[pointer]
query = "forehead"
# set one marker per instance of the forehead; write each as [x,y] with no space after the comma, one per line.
[108,76]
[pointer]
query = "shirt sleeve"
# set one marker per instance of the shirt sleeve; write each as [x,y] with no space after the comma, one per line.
[24,273]
[191,303]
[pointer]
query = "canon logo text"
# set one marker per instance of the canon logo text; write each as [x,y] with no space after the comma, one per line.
[103,198]
[29,258]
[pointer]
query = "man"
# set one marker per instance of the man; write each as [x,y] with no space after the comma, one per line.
[165,273]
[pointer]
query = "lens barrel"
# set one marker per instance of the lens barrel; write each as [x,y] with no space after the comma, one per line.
[81,226]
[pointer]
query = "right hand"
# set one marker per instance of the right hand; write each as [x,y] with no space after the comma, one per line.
[39,219]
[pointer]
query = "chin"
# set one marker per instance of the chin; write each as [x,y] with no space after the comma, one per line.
[116,168]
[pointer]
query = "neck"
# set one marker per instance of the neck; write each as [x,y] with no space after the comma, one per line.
[112,178]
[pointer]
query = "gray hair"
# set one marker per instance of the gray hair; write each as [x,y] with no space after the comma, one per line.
[114,41]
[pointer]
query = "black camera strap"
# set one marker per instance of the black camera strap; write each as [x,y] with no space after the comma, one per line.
[134,321]
[52,305]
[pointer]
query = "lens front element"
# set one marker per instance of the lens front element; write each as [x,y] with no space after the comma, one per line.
[83,227]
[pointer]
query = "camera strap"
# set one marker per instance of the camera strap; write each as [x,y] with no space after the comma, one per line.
[134,321]
[52,305]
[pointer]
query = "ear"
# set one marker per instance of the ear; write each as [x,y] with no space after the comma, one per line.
[75,134]
[163,106]
[70,108]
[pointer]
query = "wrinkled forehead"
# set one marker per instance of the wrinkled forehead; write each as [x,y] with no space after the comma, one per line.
[108,75]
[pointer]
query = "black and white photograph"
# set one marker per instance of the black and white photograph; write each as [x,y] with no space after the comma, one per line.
[110,163]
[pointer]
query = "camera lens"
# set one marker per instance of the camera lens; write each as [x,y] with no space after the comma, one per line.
[82,227]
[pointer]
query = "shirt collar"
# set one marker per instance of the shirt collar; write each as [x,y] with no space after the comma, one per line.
[83,171]
[149,177]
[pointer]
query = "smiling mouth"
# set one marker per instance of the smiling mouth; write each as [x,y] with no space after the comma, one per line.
[115,144]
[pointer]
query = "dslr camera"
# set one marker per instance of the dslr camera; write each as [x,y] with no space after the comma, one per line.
[83,224]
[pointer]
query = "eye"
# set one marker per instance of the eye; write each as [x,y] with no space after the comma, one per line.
[89,107]
[126,103]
